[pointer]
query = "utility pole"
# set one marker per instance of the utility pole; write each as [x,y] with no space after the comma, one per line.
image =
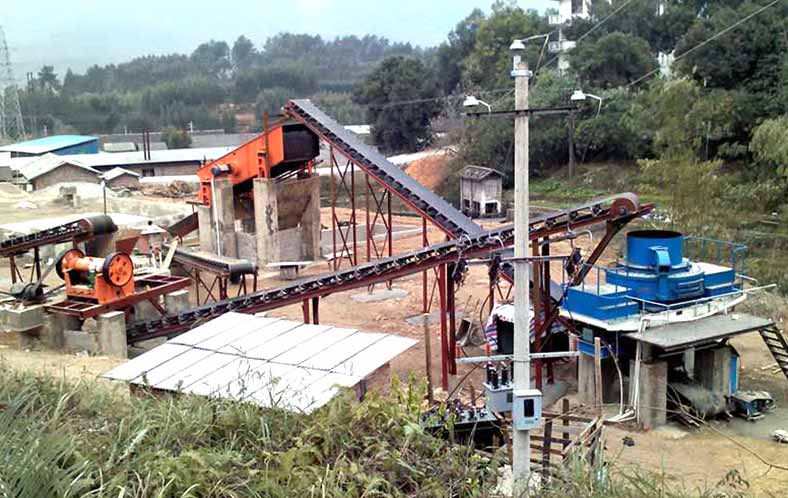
[571,147]
[521,439]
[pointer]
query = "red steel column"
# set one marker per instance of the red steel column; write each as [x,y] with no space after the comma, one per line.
[424,291]
[537,308]
[369,233]
[450,308]
[353,225]
[444,339]
[305,309]
[332,159]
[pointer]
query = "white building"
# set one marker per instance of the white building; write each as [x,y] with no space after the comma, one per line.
[480,191]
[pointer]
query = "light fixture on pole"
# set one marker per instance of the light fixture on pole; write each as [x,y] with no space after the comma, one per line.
[472,101]
[581,96]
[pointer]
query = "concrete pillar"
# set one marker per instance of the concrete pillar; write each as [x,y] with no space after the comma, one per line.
[310,221]
[206,229]
[112,334]
[55,325]
[176,302]
[653,393]
[145,311]
[266,215]
[586,387]
[713,369]
[225,209]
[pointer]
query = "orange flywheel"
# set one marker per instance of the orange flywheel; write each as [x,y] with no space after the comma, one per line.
[118,269]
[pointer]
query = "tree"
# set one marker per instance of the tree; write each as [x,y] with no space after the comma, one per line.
[213,57]
[452,53]
[490,62]
[176,138]
[47,79]
[769,144]
[271,100]
[616,59]
[401,98]
[244,53]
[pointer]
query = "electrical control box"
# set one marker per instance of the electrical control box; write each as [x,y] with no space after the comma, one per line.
[498,399]
[526,409]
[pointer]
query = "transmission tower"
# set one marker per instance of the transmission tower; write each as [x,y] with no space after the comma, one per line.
[11,124]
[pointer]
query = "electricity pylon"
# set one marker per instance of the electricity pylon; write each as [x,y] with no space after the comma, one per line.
[11,125]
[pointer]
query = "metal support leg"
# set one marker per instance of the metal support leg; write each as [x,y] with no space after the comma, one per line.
[315,310]
[450,305]
[305,310]
[444,338]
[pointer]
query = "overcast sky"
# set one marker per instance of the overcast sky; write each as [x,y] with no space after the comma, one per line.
[78,33]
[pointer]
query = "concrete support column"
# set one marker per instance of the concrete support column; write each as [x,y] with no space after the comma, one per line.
[53,331]
[206,229]
[176,302]
[713,369]
[310,221]
[653,393]
[112,334]
[266,216]
[225,210]
[586,387]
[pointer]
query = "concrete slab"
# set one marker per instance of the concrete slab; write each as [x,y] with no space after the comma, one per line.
[378,295]
[20,319]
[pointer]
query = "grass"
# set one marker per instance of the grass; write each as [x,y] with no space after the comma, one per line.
[89,440]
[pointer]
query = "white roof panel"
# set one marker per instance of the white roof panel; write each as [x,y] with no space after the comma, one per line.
[266,361]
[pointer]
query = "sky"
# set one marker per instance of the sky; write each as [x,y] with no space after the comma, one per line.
[78,33]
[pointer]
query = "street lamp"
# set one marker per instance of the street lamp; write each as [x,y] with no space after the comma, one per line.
[581,96]
[472,101]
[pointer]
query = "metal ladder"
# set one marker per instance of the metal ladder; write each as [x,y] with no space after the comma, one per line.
[778,345]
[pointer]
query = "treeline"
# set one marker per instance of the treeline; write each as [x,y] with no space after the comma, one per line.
[208,87]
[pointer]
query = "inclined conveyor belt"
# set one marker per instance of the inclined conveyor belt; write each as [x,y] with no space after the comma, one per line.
[621,208]
[75,230]
[373,163]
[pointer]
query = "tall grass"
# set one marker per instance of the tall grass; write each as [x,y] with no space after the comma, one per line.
[88,440]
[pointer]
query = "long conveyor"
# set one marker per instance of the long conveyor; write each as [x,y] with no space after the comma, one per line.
[619,209]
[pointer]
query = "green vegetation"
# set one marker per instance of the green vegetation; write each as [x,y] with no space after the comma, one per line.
[91,440]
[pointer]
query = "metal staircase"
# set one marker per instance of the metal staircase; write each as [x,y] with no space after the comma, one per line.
[778,345]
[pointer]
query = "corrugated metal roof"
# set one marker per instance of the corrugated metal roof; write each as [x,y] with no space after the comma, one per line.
[266,361]
[121,159]
[47,144]
[478,173]
[48,162]
[117,172]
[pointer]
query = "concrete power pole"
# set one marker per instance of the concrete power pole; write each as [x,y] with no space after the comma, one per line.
[521,439]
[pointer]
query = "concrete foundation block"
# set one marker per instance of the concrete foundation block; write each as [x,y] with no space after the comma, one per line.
[653,393]
[586,385]
[176,302]
[77,341]
[247,245]
[206,229]
[112,334]
[225,209]
[22,319]
[52,333]
[713,369]
[266,216]
[144,311]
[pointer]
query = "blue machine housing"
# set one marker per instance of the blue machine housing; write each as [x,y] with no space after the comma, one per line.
[655,271]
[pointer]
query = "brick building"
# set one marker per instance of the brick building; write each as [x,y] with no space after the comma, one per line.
[50,169]
[121,178]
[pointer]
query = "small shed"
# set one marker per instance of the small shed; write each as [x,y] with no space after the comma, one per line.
[480,191]
[51,170]
[121,178]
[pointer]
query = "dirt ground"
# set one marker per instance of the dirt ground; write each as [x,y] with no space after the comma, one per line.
[695,458]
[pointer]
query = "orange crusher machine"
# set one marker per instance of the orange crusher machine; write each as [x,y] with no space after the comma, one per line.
[101,280]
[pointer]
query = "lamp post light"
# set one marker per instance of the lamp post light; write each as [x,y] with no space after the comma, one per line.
[472,101]
[577,97]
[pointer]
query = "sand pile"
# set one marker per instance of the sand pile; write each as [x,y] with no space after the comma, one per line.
[9,192]
[430,171]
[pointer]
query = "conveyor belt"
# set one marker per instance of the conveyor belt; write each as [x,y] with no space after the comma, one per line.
[423,200]
[184,226]
[621,209]
[212,263]
[74,230]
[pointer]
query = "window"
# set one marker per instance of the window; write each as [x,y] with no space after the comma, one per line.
[466,203]
[148,172]
[491,208]
[577,6]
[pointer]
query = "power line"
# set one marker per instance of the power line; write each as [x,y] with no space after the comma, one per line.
[708,40]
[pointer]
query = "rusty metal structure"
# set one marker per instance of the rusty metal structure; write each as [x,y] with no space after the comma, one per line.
[74,231]
[214,274]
